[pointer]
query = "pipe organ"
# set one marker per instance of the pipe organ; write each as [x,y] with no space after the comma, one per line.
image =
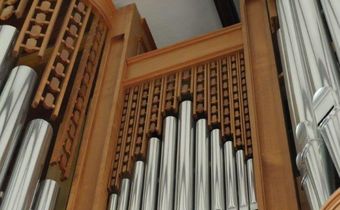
[93,116]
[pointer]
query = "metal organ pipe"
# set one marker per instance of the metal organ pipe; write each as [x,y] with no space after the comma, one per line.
[331,10]
[47,196]
[230,176]
[185,159]
[123,199]
[8,36]
[251,185]
[28,166]
[113,202]
[243,201]
[137,187]
[14,104]
[217,179]
[167,166]
[301,86]
[151,175]
[202,185]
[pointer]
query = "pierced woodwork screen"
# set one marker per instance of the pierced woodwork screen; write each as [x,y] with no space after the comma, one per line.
[218,89]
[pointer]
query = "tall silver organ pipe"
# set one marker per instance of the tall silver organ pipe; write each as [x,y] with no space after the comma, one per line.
[185,159]
[14,104]
[322,69]
[167,165]
[251,185]
[243,201]
[311,159]
[310,194]
[331,10]
[47,196]
[137,187]
[113,202]
[8,36]
[230,176]
[320,59]
[123,199]
[28,166]
[202,186]
[217,176]
[151,175]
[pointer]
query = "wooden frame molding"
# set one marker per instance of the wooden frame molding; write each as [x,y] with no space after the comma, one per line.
[273,169]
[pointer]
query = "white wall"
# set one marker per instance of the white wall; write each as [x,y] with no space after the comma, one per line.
[172,21]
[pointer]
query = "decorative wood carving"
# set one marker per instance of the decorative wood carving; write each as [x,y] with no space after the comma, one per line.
[57,73]
[70,131]
[38,26]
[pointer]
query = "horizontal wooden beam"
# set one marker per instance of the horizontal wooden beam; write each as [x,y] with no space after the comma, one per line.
[183,54]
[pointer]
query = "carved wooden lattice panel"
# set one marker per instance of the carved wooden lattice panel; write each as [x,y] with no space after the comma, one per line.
[57,73]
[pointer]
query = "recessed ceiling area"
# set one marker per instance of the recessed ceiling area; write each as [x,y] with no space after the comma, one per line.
[172,21]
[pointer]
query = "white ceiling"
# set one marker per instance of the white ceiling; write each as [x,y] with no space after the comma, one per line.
[172,21]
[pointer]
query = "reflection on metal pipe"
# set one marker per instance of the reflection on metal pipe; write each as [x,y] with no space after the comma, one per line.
[14,103]
[123,199]
[243,202]
[113,202]
[311,159]
[137,187]
[322,70]
[202,186]
[230,176]
[149,201]
[310,193]
[167,168]
[331,10]
[331,133]
[28,166]
[185,159]
[251,185]
[8,36]
[217,179]
[47,196]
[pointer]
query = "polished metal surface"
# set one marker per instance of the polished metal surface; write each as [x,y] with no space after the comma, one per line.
[202,177]
[168,165]
[28,166]
[330,132]
[230,176]
[251,185]
[149,201]
[322,70]
[318,169]
[184,190]
[217,175]
[310,193]
[113,202]
[243,201]
[331,9]
[123,199]
[137,187]
[308,98]
[298,91]
[14,103]
[8,36]
[47,196]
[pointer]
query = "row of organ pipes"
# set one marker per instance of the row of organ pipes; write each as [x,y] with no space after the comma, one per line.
[189,168]
[311,73]
[23,152]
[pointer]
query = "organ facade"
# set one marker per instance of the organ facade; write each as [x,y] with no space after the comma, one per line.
[94,116]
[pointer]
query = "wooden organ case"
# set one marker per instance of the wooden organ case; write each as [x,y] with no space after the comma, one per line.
[106,89]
